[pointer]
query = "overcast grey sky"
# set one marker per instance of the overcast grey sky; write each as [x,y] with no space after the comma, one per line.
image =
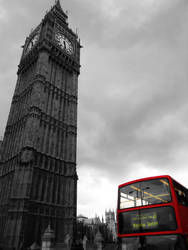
[133,88]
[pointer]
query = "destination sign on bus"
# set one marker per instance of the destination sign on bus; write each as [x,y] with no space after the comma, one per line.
[144,221]
[147,220]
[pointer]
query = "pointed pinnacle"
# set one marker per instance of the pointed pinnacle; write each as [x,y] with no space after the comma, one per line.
[57,2]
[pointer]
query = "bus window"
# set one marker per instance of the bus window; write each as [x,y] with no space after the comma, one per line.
[181,193]
[144,193]
[157,219]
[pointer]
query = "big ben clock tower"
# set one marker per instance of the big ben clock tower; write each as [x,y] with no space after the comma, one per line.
[38,179]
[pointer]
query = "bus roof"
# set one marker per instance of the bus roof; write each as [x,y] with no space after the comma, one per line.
[146,179]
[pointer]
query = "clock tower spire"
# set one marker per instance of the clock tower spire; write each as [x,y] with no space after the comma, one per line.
[38,178]
[57,2]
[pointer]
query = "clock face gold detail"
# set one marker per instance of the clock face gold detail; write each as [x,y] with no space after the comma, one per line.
[32,42]
[64,42]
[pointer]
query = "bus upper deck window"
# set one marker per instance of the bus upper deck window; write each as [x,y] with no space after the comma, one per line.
[144,193]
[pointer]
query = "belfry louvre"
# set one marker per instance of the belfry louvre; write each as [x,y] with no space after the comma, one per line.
[38,179]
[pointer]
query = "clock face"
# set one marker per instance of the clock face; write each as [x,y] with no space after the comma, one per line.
[32,42]
[64,42]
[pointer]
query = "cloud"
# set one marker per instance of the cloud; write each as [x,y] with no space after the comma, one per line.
[96,192]
[134,106]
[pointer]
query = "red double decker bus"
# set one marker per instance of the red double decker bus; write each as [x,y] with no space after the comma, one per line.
[153,214]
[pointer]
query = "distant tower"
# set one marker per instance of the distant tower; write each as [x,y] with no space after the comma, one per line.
[111,223]
[38,179]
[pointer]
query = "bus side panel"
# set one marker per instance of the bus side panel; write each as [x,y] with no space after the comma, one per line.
[183,213]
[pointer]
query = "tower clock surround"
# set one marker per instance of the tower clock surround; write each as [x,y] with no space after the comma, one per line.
[38,178]
[32,41]
[64,42]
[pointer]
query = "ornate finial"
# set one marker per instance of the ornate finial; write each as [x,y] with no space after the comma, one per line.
[49,233]
[57,6]
[57,2]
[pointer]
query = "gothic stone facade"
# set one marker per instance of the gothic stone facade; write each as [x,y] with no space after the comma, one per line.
[38,179]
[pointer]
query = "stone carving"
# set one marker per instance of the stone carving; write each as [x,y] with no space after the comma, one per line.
[68,241]
[26,156]
[99,240]
[48,239]
[85,242]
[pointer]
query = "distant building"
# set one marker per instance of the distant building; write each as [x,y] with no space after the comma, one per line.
[111,223]
[109,226]
[89,221]
[81,218]
[89,227]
